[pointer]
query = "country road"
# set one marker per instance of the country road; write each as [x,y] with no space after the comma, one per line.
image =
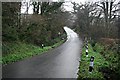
[61,62]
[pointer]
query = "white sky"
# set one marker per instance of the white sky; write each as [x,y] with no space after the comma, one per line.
[67,5]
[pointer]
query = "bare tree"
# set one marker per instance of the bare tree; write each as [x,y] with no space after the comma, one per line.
[109,8]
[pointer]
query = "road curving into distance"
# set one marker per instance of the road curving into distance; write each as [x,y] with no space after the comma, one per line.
[61,62]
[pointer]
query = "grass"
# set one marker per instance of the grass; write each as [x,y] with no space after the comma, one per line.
[18,51]
[99,61]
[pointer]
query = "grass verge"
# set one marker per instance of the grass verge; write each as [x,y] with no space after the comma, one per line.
[19,50]
[99,61]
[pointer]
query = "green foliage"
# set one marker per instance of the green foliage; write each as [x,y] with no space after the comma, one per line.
[106,63]
[32,28]
[98,47]
[98,62]
[113,58]
[21,33]
[0,59]
[18,50]
[10,20]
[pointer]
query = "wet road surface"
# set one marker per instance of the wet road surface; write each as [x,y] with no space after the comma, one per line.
[61,62]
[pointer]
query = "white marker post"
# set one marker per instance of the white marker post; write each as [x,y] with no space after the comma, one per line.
[86,46]
[42,45]
[86,52]
[91,64]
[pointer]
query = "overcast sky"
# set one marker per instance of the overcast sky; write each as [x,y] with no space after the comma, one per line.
[67,5]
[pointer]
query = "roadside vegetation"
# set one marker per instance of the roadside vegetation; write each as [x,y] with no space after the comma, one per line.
[106,63]
[24,34]
[18,50]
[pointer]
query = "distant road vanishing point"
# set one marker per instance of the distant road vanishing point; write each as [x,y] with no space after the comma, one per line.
[61,62]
